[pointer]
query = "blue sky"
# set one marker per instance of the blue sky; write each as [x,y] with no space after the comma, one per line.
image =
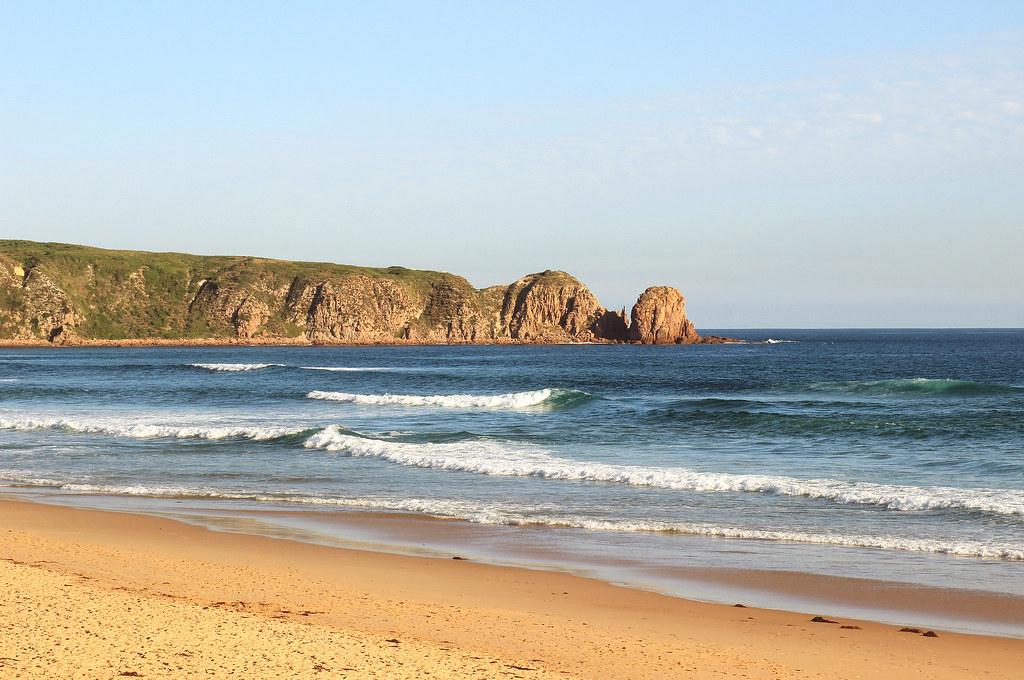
[786,164]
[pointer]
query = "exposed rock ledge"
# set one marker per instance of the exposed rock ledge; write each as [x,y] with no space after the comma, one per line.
[65,294]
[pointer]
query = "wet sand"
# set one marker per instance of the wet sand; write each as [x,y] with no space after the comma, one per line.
[962,609]
[100,594]
[959,605]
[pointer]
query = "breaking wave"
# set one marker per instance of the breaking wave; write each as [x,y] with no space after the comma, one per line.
[233,368]
[901,543]
[465,452]
[511,514]
[548,397]
[348,369]
[152,430]
[506,459]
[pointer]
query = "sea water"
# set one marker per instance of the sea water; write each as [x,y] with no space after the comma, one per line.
[885,454]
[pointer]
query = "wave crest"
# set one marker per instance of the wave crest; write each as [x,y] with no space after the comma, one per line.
[900,543]
[510,514]
[547,396]
[153,430]
[348,369]
[915,387]
[504,459]
[233,368]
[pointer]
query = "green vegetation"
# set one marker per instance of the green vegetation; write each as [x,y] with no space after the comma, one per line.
[65,293]
[118,294]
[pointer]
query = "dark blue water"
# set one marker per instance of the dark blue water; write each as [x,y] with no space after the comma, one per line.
[889,454]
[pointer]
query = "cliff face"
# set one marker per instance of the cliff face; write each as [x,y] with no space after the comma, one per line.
[549,307]
[659,318]
[33,307]
[62,293]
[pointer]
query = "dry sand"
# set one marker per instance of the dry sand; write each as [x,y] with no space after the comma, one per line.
[89,594]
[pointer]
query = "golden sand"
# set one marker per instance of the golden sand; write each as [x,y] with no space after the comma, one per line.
[88,594]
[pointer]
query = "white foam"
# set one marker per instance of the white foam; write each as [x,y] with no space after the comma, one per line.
[348,369]
[142,430]
[511,400]
[489,457]
[519,515]
[231,368]
[901,543]
[511,514]
[773,341]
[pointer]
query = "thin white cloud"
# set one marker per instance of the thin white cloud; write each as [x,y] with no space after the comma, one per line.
[966,104]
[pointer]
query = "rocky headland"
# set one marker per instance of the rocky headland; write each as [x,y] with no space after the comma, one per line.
[61,294]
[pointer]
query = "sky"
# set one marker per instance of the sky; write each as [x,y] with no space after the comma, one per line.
[786,164]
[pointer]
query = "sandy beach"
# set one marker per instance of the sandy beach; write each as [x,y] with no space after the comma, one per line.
[92,594]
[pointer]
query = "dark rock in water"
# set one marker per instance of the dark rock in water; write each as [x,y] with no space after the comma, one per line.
[741,606]
[719,340]
[910,630]
[930,633]
[457,557]
[822,619]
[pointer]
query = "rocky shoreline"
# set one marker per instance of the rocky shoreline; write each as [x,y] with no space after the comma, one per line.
[67,295]
[291,342]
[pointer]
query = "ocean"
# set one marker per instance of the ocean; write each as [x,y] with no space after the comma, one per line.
[895,455]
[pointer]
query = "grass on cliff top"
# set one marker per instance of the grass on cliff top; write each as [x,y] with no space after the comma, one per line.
[59,260]
[105,286]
